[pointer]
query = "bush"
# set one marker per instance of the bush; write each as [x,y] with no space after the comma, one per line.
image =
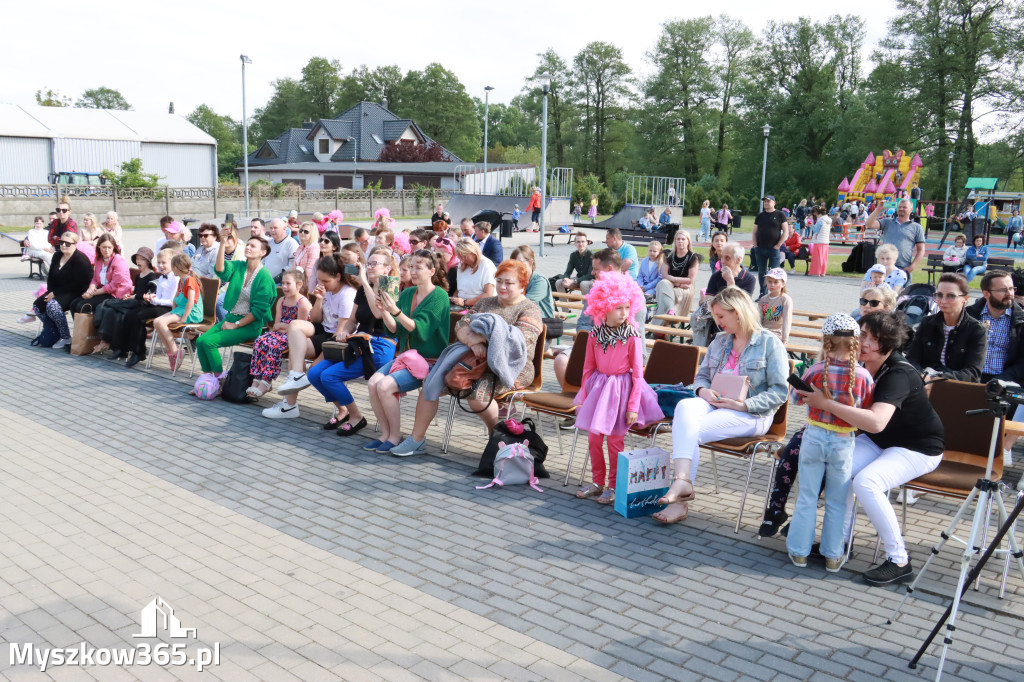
[131,175]
[584,187]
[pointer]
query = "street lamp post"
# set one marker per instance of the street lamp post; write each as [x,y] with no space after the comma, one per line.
[949,180]
[545,82]
[245,135]
[764,162]
[487,118]
[355,155]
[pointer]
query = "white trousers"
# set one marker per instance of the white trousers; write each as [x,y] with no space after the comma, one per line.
[696,422]
[875,472]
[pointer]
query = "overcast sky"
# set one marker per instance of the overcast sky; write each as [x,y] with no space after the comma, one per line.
[188,51]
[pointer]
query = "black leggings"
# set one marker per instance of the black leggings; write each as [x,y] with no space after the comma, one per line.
[785,475]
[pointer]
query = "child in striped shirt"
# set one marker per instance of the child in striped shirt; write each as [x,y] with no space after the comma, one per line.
[827,449]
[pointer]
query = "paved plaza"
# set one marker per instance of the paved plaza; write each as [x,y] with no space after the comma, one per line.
[296,555]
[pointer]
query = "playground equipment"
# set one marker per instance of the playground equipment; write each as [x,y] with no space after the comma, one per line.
[881,177]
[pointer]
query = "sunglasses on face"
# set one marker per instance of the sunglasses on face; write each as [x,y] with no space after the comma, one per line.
[414,242]
[303,231]
[949,297]
[871,303]
[63,210]
[67,243]
[208,234]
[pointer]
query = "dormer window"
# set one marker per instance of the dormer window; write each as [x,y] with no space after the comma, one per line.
[324,146]
[304,149]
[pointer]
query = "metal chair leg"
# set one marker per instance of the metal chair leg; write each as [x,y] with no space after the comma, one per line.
[448,426]
[152,350]
[746,487]
[583,469]
[714,469]
[572,456]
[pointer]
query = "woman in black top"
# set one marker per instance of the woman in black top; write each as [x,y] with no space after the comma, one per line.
[674,292]
[370,344]
[902,438]
[950,343]
[69,277]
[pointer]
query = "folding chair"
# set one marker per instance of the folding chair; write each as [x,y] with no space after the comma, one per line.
[508,396]
[559,404]
[185,332]
[748,448]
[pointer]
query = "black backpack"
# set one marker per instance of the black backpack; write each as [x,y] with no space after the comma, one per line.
[237,379]
[503,434]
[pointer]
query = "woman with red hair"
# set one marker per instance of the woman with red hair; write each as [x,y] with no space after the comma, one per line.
[512,306]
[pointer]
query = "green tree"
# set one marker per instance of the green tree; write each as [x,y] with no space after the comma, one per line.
[131,175]
[682,87]
[563,116]
[601,81]
[371,85]
[731,67]
[102,98]
[436,100]
[321,87]
[228,134]
[52,98]
[285,109]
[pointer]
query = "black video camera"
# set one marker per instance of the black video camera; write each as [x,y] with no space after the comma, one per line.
[1011,392]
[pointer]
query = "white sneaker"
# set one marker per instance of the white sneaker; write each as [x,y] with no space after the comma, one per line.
[296,382]
[282,410]
[27,318]
[62,343]
[911,497]
[1007,458]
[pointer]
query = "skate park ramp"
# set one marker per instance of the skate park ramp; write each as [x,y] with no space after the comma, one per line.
[558,211]
[624,217]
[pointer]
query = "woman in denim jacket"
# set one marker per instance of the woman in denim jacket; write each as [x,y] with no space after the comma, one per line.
[741,348]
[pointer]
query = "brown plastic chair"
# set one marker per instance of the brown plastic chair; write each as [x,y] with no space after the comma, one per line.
[559,403]
[748,448]
[186,332]
[508,396]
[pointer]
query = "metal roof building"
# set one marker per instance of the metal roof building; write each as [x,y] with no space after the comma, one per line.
[38,141]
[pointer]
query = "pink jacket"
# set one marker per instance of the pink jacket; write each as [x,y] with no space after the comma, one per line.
[119,279]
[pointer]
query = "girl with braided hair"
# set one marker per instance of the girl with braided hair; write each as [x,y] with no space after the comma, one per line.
[827,450]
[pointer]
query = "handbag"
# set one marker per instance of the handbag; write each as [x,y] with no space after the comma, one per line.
[555,327]
[84,337]
[460,379]
[237,379]
[731,386]
[512,431]
[334,351]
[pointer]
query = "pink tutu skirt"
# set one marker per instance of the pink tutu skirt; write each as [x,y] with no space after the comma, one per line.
[603,410]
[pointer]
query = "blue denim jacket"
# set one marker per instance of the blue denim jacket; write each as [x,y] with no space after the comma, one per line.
[764,362]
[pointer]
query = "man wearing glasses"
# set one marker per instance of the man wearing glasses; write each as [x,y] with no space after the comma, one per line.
[282,250]
[206,255]
[61,224]
[1005,321]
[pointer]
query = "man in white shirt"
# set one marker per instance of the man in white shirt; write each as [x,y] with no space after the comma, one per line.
[282,250]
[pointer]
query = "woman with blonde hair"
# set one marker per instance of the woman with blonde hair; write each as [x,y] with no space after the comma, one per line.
[674,292]
[747,366]
[112,226]
[475,278]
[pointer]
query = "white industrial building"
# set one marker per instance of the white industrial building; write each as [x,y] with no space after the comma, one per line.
[36,142]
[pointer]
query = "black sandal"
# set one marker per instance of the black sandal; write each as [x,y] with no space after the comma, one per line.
[360,425]
[333,423]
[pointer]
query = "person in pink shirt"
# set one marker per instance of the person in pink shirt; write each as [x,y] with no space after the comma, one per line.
[614,395]
[308,252]
[111,276]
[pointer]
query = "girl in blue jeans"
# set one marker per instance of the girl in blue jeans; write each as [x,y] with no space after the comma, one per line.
[827,448]
[365,323]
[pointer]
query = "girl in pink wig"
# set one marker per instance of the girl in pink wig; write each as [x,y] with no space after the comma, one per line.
[614,395]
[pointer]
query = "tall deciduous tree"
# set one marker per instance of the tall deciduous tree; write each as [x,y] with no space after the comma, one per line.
[52,98]
[321,86]
[562,112]
[285,109]
[371,85]
[732,65]
[102,98]
[601,81]
[436,100]
[228,134]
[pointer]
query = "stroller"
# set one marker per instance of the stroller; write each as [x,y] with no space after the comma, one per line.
[916,302]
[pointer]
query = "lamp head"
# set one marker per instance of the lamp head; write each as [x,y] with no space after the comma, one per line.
[245,59]
[545,81]
[488,88]
[767,129]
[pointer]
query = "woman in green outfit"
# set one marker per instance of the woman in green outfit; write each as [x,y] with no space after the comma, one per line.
[420,321]
[249,301]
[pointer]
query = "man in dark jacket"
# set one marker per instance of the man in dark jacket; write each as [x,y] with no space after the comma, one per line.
[490,247]
[1004,319]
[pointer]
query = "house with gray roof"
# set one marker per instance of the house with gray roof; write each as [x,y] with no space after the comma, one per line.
[344,152]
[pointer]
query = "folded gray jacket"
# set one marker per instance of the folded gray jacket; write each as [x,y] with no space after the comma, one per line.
[506,354]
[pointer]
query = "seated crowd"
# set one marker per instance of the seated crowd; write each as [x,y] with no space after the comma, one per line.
[384,307]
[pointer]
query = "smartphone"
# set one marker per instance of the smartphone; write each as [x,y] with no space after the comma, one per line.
[796,382]
[382,282]
[351,269]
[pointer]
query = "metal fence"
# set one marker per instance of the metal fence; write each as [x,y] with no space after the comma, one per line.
[144,206]
[503,181]
[560,183]
[653,190]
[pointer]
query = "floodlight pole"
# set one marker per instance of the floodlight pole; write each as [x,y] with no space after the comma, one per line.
[545,80]
[487,118]
[764,163]
[949,180]
[245,135]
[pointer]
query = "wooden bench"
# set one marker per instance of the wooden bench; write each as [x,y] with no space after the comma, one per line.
[934,265]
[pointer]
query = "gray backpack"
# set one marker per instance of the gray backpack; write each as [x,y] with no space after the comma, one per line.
[513,465]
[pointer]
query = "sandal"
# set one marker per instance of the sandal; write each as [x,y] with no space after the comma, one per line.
[591,490]
[672,499]
[607,497]
[100,349]
[334,422]
[258,389]
[668,515]
[347,429]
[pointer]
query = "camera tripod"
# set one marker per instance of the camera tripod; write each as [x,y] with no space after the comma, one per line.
[986,492]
